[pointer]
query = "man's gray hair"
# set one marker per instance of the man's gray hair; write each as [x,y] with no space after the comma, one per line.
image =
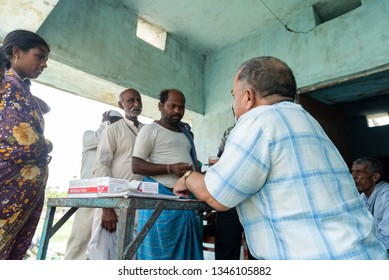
[268,75]
[373,164]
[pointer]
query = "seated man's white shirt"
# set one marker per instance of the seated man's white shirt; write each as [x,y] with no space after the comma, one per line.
[294,193]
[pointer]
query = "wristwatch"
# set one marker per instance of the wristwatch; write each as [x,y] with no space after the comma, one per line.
[186,175]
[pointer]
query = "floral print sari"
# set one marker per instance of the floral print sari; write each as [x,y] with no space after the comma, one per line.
[23,167]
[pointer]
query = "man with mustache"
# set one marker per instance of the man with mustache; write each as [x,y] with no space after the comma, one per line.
[164,152]
[292,189]
[114,152]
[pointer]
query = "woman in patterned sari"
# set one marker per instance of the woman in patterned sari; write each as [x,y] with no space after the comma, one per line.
[23,147]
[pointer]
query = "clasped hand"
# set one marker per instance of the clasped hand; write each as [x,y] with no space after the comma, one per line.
[180,168]
[180,188]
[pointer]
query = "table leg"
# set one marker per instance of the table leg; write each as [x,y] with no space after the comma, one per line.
[134,245]
[46,233]
[124,230]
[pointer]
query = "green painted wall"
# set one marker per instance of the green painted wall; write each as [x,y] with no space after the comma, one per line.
[354,42]
[117,55]
[351,43]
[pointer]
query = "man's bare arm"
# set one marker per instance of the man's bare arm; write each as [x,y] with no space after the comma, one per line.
[143,167]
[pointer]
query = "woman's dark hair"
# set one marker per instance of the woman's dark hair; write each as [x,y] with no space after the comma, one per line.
[23,39]
[3,59]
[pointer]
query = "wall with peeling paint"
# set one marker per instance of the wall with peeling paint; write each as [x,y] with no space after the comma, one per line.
[107,47]
[354,42]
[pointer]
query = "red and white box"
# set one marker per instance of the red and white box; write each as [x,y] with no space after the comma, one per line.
[93,187]
[148,187]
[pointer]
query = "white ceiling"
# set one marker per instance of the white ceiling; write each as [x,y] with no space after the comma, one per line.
[205,25]
[213,24]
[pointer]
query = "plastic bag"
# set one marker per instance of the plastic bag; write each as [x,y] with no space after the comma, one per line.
[102,245]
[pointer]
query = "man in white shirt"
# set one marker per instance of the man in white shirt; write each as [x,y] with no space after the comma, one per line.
[82,223]
[114,152]
[163,152]
[367,174]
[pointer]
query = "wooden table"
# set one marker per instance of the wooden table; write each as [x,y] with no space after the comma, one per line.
[126,246]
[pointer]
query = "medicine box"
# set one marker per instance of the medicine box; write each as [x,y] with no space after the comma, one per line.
[93,187]
[149,187]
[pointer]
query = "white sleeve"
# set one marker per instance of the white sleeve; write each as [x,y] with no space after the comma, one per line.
[105,152]
[144,143]
[90,138]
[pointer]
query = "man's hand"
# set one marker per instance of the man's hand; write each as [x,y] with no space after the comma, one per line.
[180,168]
[106,117]
[195,184]
[180,188]
[109,219]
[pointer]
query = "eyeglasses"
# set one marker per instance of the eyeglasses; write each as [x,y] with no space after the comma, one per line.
[48,158]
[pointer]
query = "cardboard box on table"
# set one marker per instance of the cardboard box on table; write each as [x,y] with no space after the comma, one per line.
[93,187]
[101,186]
